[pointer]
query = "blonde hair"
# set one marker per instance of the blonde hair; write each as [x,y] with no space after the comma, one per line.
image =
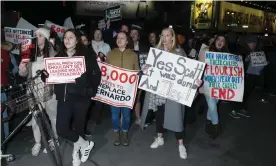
[174,42]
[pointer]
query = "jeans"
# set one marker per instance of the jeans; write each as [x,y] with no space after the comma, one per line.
[5,115]
[115,113]
[212,113]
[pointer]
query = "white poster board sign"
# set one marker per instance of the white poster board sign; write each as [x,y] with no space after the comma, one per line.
[224,75]
[23,24]
[16,36]
[171,76]
[258,59]
[118,86]
[64,69]
[57,28]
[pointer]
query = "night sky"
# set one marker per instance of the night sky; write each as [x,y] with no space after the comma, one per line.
[36,12]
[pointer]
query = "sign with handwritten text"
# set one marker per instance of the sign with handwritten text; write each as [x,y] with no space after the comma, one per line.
[258,59]
[64,70]
[16,36]
[224,75]
[171,76]
[118,86]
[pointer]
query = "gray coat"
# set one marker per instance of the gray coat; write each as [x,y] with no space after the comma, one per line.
[174,112]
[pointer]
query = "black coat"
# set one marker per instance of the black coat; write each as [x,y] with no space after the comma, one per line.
[86,85]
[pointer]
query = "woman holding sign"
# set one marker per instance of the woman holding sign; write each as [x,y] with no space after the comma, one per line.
[169,114]
[122,57]
[28,67]
[74,98]
[212,122]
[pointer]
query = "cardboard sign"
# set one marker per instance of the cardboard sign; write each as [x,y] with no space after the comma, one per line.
[118,86]
[57,28]
[16,36]
[64,70]
[171,76]
[258,59]
[113,13]
[224,75]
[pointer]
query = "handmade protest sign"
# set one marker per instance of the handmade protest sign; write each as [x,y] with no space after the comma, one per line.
[64,70]
[101,24]
[258,59]
[223,78]
[57,28]
[26,47]
[113,13]
[16,36]
[171,76]
[118,86]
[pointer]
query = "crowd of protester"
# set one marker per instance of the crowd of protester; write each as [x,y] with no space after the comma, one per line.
[126,50]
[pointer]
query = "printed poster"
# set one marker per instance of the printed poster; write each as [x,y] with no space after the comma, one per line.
[258,59]
[16,36]
[224,76]
[63,69]
[171,76]
[118,86]
[113,13]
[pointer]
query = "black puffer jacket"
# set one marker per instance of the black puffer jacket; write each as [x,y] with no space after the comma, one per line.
[86,85]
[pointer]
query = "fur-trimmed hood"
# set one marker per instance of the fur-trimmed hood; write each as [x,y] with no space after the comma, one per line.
[6,46]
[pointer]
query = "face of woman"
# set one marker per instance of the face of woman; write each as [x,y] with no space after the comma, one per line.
[98,35]
[84,40]
[124,28]
[220,42]
[121,40]
[70,40]
[40,38]
[167,37]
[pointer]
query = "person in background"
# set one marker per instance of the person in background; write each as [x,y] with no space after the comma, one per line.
[84,39]
[55,40]
[28,69]
[5,62]
[167,109]
[99,46]
[153,38]
[74,99]
[101,49]
[212,120]
[122,57]
[140,50]
[251,78]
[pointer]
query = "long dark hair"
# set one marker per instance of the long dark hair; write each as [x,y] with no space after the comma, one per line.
[35,52]
[79,45]
[223,49]
[54,35]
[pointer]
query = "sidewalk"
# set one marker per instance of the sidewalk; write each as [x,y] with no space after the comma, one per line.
[244,142]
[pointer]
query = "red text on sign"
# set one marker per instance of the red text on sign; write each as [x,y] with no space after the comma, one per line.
[220,93]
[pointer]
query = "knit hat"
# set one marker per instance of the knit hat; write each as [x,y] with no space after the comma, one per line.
[251,39]
[44,32]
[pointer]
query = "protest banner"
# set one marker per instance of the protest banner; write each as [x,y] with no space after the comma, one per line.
[68,23]
[224,75]
[258,59]
[171,76]
[142,59]
[23,24]
[16,36]
[26,47]
[57,28]
[118,86]
[113,13]
[64,70]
